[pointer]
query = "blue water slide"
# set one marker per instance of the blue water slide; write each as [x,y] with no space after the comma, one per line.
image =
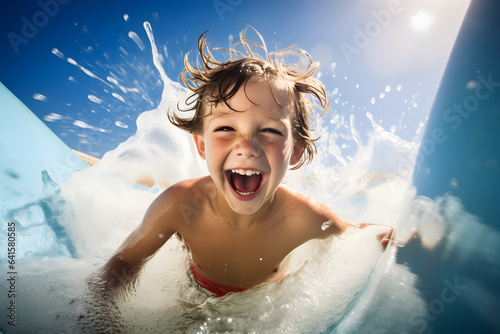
[33,162]
[446,278]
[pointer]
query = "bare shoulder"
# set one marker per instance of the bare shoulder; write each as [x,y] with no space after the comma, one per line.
[168,206]
[185,189]
[315,218]
[307,205]
[160,222]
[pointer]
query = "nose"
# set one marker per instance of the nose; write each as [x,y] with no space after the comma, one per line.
[248,147]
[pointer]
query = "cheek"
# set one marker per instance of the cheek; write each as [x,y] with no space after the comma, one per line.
[281,151]
[287,146]
[214,152]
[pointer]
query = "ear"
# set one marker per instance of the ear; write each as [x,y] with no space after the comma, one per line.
[298,150]
[200,145]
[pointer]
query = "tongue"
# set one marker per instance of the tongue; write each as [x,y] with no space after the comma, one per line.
[246,184]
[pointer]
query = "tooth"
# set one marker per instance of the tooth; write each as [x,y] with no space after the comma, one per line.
[245,172]
[245,194]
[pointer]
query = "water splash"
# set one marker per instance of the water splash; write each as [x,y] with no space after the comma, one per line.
[108,203]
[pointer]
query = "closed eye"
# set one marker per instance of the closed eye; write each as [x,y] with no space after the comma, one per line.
[271,130]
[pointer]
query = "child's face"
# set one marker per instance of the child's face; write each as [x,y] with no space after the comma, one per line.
[256,141]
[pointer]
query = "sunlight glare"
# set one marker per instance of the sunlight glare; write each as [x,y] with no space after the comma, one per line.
[421,21]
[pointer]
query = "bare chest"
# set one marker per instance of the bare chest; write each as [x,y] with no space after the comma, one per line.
[237,257]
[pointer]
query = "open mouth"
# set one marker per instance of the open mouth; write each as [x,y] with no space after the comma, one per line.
[244,182]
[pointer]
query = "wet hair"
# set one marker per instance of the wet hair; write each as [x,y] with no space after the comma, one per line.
[213,81]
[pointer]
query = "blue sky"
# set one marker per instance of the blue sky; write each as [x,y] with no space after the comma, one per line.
[367,49]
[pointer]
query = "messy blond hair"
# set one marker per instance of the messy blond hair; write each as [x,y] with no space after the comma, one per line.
[214,81]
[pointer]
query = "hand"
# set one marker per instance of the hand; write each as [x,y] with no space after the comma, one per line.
[385,237]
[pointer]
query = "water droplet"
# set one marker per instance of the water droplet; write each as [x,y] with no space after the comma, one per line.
[454,183]
[39,97]
[260,259]
[325,226]
[398,88]
[382,95]
[373,100]
[161,236]
[94,99]
[58,53]
[387,89]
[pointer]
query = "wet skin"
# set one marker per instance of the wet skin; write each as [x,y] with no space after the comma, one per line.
[236,237]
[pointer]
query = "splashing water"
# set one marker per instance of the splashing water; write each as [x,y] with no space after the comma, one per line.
[105,203]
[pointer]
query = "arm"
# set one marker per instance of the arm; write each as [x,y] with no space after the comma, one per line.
[122,269]
[158,225]
[331,224]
